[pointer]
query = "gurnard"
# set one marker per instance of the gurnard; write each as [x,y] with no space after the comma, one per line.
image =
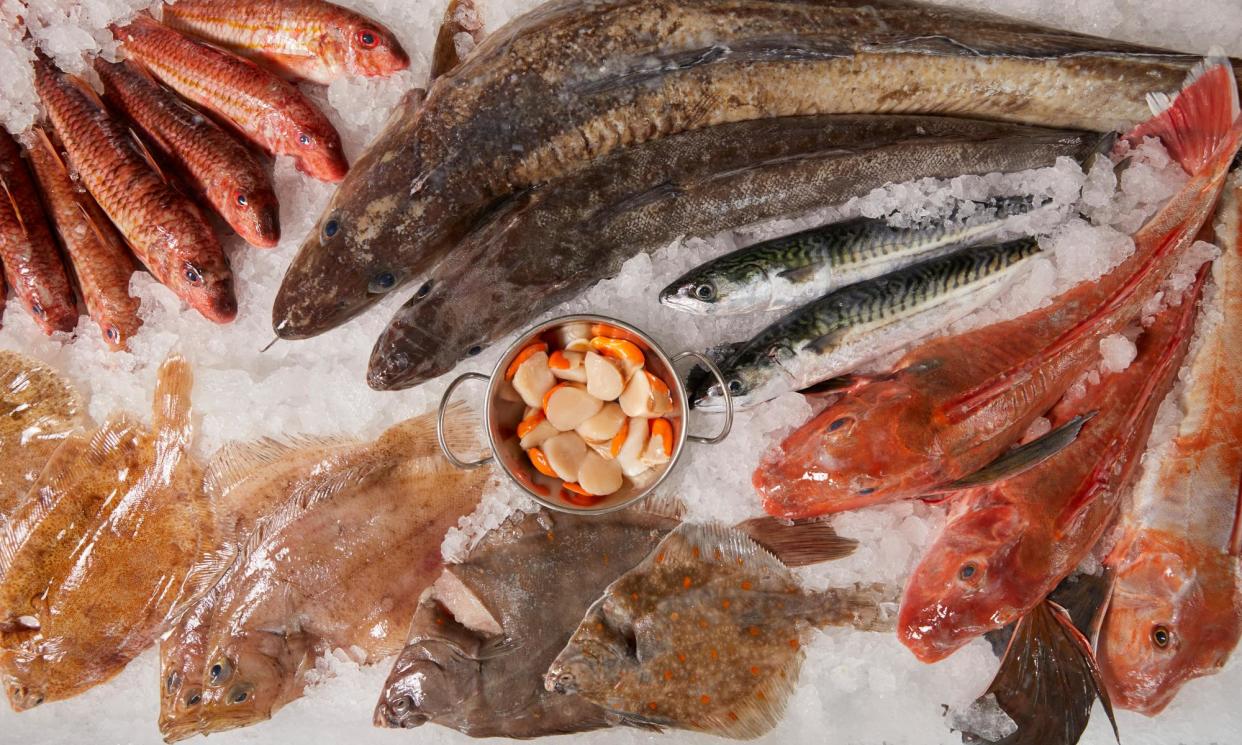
[549,243]
[102,264]
[1175,612]
[308,39]
[31,260]
[166,231]
[1006,546]
[955,404]
[218,167]
[268,111]
[574,80]
[858,323]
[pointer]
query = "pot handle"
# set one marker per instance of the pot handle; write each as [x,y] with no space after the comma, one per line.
[444,404]
[724,387]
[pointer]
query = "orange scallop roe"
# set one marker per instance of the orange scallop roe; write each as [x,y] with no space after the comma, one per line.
[540,462]
[528,351]
[558,361]
[527,425]
[612,332]
[663,429]
[619,349]
[619,441]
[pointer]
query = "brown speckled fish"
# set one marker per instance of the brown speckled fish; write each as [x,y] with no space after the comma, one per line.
[32,263]
[212,161]
[101,262]
[166,230]
[309,39]
[38,410]
[705,634]
[269,111]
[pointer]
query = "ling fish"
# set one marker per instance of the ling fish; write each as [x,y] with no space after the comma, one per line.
[705,634]
[1175,612]
[166,231]
[848,327]
[31,260]
[574,80]
[309,39]
[213,163]
[267,110]
[102,264]
[1007,546]
[340,563]
[793,270]
[955,404]
[545,245]
[38,411]
[95,568]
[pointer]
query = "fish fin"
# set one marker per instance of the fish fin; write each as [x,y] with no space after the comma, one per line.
[659,193]
[86,89]
[417,435]
[801,274]
[17,212]
[759,712]
[1023,457]
[171,408]
[52,483]
[1235,538]
[690,541]
[866,607]
[833,386]
[798,544]
[148,156]
[663,505]
[827,342]
[237,462]
[499,646]
[460,17]
[1197,122]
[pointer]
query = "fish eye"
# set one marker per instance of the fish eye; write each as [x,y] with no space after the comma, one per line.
[967,571]
[474,351]
[423,291]
[241,199]
[383,282]
[839,423]
[1161,636]
[866,491]
[402,705]
[193,275]
[735,387]
[113,336]
[220,672]
[304,139]
[36,308]
[705,291]
[174,680]
[193,698]
[330,227]
[240,693]
[367,38]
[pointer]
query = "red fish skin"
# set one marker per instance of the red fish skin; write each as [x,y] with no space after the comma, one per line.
[101,262]
[1007,546]
[267,110]
[956,403]
[308,39]
[210,160]
[166,231]
[32,263]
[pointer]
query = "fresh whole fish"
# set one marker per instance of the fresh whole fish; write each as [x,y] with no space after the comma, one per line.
[101,262]
[116,529]
[955,404]
[1175,612]
[166,231]
[705,634]
[213,163]
[38,410]
[309,39]
[268,111]
[32,264]
[1007,546]
[551,242]
[850,326]
[574,80]
[793,270]
[339,563]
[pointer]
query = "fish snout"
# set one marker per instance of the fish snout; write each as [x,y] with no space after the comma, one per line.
[561,681]
[264,227]
[24,698]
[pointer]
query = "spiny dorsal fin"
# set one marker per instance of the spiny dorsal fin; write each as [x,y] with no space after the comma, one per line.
[146,154]
[798,544]
[8,195]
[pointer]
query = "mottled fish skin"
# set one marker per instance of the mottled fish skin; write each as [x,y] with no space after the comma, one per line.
[212,162]
[489,682]
[32,263]
[309,39]
[268,111]
[705,634]
[1177,565]
[38,410]
[102,264]
[793,270]
[1007,546]
[574,80]
[858,323]
[166,231]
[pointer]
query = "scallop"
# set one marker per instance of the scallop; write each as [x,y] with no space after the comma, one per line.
[646,395]
[574,337]
[568,366]
[630,454]
[603,378]
[565,453]
[535,430]
[603,426]
[659,444]
[533,379]
[599,476]
[567,406]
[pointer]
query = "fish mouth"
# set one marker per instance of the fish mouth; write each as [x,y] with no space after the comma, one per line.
[23,698]
[681,297]
[405,356]
[266,231]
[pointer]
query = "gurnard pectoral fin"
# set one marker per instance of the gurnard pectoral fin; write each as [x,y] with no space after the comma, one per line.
[799,544]
[1021,458]
[833,386]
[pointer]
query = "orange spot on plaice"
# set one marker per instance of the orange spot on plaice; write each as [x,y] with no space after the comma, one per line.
[746,584]
[660,558]
[599,627]
[653,706]
[733,716]
[702,624]
[633,596]
[714,654]
[793,644]
[760,696]
[754,631]
[439,621]
[551,536]
[674,616]
[724,603]
[681,657]
[685,582]
[705,699]
[668,674]
[695,552]
[754,670]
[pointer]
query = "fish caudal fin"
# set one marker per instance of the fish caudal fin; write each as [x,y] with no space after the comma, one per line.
[798,544]
[1198,122]
[866,607]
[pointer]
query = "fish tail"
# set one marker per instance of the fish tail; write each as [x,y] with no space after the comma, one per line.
[1199,122]
[866,607]
[170,417]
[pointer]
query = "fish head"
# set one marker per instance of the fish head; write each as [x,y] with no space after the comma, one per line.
[52,316]
[872,446]
[313,142]
[432,678]
[205,281]
[1174,615]
[370,50]
[250,206]
[969,582]
[24,667]
[752,378]
[602,651]
[704,292]
[250,675]
[181,692]
[118,329]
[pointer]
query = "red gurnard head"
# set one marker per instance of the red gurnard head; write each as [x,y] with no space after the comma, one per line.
[366,48]
[970,581]
[1175,615]
[871,447]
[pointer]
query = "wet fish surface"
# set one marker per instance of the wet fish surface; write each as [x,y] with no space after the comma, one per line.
[38,411]
[552,242]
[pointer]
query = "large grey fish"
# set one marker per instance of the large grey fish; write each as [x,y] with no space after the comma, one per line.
[551,242]
[793,270]
[574,80]
[706,634]
[846,328]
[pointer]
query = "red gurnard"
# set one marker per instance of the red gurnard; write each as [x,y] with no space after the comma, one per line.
[166,231]
[269,111]
[216,165]
[32,263]
[955,404]
[1007,546]
[101,262]
[308,39]
[1176,607]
